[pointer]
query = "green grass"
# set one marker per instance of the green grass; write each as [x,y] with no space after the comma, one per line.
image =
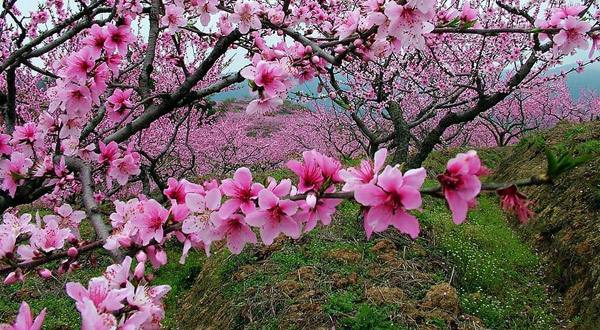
[497,274]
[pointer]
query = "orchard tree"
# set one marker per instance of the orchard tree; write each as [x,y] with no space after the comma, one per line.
[102,97]
[527,110]
[413,101]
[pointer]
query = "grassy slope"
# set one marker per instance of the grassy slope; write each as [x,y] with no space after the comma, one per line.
[296,284]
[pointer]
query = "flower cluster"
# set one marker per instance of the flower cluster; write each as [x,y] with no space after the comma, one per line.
[119,299]
[20,239]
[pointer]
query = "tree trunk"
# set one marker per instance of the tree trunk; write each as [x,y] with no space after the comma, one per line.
[401,134]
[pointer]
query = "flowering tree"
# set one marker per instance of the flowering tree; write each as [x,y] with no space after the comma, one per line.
[527,110]
[100,96]
[414,101]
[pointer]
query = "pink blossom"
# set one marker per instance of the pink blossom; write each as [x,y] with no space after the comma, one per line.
[68,217]
[175,190]
[118,103]
[264,105]
[460,183]
[366,172]
[173,19]
[468,14]
[322,211]
[118,38]
[148,300]
[245,14]
[122,168]
[18,225]
[5,147]
[14,277]
[309,172]
[242,193]
[274,216]
[13,171]
[349,25]
[28,133]
[235,230]
[76,98]
[50,237]
[572,35]
[95,40]
[268,76]
[91,319]
[105,298]
[80,64]
[390,198]
[7,243]
[200,202]
[205,9]
[108,152]
[513,201]
[150,222]
[25,319]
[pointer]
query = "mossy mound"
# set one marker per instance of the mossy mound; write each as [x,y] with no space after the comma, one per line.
[474,276]
[567,226]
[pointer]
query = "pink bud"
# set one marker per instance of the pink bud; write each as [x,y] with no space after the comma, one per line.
[308,49]
[314,59]
[44,273]
[339,49]
[138,273]
[141,257]
[358,42]
[14,277]
[332,95]
[280,32]
[72,252]
[72,239]
[311,200]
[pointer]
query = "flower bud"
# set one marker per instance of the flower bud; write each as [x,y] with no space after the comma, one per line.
[141,257]
[45,273]
[311,200]
[138,273]
[72,252]
[14,277]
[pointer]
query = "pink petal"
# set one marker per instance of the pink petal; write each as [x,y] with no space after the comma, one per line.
[266,199]
[457,205]
[195,202]
[229,207]
[411,198]
[380,157]
[406,224]
[370,195]
[290,227]
[288,207]
[257,218]
[213,199]
[415,178]
[243,177]
[390,179]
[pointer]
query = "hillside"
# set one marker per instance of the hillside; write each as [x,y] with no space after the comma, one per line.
[567,225]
